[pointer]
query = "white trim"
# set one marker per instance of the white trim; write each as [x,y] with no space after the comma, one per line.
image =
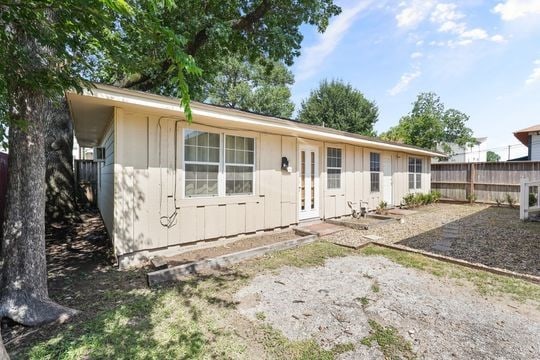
[137,98]
[315,212]
[416,187]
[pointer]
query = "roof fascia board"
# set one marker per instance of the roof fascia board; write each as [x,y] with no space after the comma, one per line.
[160,102]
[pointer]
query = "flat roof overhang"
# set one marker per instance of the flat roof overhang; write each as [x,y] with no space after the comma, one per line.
[92,110]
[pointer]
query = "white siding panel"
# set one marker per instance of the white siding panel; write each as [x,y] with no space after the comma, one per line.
[535,148]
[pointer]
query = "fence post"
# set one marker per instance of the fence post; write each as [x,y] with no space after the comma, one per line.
[472,175]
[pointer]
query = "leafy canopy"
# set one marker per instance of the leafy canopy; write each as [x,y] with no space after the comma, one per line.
[492,156]
[429,124]
[338,105]
[250,86]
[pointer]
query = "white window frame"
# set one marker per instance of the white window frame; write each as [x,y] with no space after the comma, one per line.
[415,173]
[187,162]
[225,164]
[375,172]
[340,168]
[222,164]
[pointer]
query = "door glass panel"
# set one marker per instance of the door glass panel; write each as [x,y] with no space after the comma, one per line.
[312,180]
[302,180]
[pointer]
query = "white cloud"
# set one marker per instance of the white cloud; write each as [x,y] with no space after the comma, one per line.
[404,82]
[447,16]
[497,38]
[416,55]
[474,34]
[314,56]
[414,13]
[514,9]
[535,75]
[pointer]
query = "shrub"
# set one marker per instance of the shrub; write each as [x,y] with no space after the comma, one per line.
[414,200]
[533,200]
[510,200]
[436,196]
[499,202]
[471,198]
[381,209]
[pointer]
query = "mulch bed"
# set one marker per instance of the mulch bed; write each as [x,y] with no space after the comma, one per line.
[243,243]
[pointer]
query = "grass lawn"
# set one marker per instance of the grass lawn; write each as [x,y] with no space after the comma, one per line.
[196,319]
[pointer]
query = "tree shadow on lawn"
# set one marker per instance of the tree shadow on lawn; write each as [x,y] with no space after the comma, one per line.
[121,317]
[494,237]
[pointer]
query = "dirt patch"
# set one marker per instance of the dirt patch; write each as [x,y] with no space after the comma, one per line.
[493,236]
[244,243]
[338,304]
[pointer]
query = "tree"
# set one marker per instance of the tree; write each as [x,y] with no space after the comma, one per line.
[256,87]
[50,46]
[339,106]
[429,125]
[492,156]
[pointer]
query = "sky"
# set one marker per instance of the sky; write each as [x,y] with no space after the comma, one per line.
[481,57]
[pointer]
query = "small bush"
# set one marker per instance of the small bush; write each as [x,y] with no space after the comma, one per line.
[510,200]
[499,202]
[381,209]
[414,200]
[471,198]
[533,200]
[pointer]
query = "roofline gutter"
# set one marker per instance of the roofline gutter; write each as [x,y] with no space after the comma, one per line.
[139,98]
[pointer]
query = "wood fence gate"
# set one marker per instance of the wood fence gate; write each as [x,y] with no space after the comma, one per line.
[86,180]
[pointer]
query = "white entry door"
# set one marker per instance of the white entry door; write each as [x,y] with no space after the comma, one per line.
[387,180]
[308,204]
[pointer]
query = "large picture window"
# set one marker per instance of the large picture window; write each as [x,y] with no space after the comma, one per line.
[205,168]
[415,173]
[333,168]
[375,171]
[239,164]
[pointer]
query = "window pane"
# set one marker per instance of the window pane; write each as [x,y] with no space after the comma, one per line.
[190,137]
[191,172]
[202,139]
[190,153]
[418,165]
[250,158]
[239,143]
[202,154]
[213,140]
[213,155]
[190,188]
[250,144]
[229,142]
[374,162]
[411,181]
[238,179]
[334,178]
[375,182]
[418,181]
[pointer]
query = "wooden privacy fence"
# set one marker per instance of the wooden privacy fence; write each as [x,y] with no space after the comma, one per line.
[487,181]
[86,180]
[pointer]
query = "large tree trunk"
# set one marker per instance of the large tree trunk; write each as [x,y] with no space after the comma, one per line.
[24,295]
[61,201]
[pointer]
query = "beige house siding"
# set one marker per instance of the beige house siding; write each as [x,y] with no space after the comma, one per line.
[105,186]
[151,213]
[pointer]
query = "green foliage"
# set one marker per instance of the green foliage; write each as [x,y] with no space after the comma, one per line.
[429,124]
[498,202]
[510,200]
[339,106]
[261,87]
[471,198]
[492,156]
[382,207]
[412,200]
[390,342]
[533,200]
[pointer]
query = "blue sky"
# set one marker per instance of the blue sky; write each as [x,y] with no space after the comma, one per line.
[481,57]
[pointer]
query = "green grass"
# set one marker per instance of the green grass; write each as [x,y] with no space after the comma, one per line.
[485,283]
[392,345]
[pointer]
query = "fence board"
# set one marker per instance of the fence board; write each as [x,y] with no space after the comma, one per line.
[488,180]
[86,180]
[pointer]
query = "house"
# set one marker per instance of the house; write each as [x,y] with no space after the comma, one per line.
[475,152]
[530,137]
[165,183]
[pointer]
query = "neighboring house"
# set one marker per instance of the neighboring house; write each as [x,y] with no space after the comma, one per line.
[165,183]
[476,152]
[530,137]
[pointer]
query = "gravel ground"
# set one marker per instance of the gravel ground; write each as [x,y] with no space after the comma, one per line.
[440,318]
[478,233]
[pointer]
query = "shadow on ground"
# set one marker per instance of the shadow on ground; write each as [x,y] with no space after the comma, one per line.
[494,237]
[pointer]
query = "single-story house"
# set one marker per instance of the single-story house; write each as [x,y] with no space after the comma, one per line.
[165,183]
[530,137]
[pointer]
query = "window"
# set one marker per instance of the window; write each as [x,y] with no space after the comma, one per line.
[375,168]
[415,173]
[208,174]
[201,157]
[333,168]
[239,164]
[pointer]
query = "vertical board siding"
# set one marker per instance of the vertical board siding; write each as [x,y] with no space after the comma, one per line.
[489,181]
[105,185]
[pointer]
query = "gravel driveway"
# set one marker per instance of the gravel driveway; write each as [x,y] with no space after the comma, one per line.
[439,318]
[493,236]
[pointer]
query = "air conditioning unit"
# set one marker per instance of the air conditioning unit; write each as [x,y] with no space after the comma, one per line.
[99,154]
